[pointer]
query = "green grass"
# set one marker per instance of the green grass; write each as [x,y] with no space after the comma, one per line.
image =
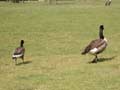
[54,38]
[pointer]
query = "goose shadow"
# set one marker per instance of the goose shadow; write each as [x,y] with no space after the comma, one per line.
[104,59]
[25,62]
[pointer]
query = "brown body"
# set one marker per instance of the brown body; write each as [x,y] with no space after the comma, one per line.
[96,46]
[19,52]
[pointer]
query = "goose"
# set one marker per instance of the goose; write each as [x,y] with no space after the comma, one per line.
[19,52]
[108,2]
[97,46]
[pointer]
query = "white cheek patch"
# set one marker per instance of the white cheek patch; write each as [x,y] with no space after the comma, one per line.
[93,51]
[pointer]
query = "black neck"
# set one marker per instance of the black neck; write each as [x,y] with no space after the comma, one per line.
[21,45]
[101,34]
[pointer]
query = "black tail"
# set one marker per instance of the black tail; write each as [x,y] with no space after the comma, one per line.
[86,50]
[13,58]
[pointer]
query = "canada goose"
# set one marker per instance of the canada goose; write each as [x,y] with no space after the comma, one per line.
[108,2]
[96,46]
[19,52]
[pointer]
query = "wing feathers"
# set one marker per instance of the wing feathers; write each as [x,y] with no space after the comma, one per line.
[98,43]
[19,50]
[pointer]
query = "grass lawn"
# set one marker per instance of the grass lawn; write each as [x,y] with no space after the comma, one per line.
[54,38]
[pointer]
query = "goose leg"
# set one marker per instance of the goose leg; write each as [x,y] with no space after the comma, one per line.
[95,59]
[15,61]
[22,58]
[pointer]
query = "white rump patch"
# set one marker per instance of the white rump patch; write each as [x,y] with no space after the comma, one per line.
[16,56]
[93,51]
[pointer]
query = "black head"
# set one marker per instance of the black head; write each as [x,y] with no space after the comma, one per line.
[101,27]
[21,43]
